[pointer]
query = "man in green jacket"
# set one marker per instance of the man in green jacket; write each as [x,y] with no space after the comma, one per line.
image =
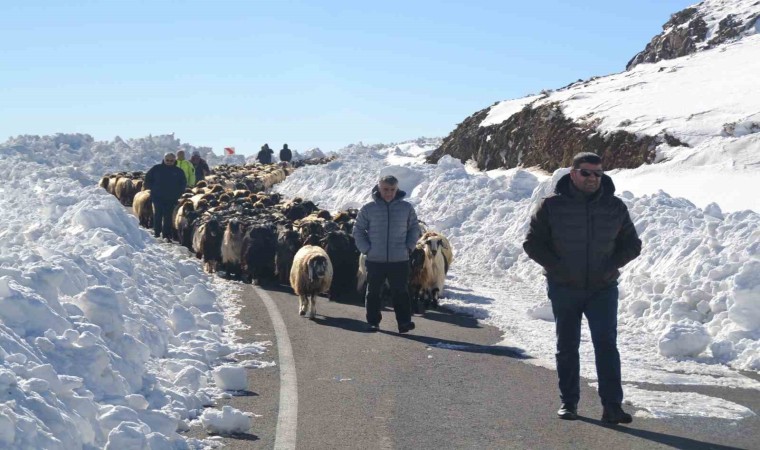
[187,167]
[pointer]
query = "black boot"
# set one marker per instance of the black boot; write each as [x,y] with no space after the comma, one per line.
[568,411]
[613,413]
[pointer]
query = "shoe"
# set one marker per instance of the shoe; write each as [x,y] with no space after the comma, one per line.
[156,235]
[405,328]
[373,328]
[168,241]
[568,411]
[613,413]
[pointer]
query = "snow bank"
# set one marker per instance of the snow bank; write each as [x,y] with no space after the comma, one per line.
[689,306]
[107,338]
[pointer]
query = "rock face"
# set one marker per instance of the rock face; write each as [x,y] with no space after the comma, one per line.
[541,137]
[695,29]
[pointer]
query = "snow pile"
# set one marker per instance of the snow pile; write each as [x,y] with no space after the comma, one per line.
[689,306]
[107,338]
[227,421]
[80,157]
[721,125]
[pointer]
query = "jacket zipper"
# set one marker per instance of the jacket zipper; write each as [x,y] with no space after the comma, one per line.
[388,235]
[588,243]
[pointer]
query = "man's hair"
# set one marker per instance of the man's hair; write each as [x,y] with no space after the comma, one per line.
[586,157]
[170,155]
[389,179]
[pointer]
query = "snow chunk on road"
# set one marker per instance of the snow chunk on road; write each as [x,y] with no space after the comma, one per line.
[684,338]
[227,421]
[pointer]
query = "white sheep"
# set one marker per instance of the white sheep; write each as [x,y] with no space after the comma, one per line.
[438,258]
[310,275]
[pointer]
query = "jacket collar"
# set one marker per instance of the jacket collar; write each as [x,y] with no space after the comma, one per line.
[565,187]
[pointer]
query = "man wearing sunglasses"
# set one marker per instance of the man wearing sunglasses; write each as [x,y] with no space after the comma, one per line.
[581,236]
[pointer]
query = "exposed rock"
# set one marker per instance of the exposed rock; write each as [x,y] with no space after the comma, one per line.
[673,43]
[687,31]
[543,137]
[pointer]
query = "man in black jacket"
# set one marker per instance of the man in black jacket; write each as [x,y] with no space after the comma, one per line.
[166,182]
[581,236]
[265,154]
[285,154]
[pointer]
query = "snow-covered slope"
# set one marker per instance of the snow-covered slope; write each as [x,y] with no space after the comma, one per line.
[689,306]
[708,101]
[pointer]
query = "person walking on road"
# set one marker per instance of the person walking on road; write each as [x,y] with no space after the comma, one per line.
[265,154]
[582,235]
[386,231]
[201,166]
[166,182]
[187,168]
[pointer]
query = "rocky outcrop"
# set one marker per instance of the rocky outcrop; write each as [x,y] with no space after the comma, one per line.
[688,31]
[541,137]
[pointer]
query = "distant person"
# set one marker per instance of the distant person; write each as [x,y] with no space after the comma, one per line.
[285,154]
[581,236]
[166,182]
[201,166]
[386,231]
[187,168]
[265,154]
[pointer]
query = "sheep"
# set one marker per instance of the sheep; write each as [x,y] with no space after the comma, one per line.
[343,253]
[416,274]
[207,244]
[310,275]
[143,208]
[445,246]
[438,257]
[232,248]
[288,243]
[259,248]
[125,191]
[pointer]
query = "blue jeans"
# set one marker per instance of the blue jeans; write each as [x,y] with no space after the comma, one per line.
[600,308]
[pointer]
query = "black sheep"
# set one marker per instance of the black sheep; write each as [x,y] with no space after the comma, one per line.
[259,248]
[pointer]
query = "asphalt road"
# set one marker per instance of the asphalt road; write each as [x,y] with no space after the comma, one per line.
[445,385]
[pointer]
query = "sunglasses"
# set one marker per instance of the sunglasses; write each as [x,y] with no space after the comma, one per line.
[585,173]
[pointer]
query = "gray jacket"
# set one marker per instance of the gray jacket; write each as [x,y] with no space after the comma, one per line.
[386,232]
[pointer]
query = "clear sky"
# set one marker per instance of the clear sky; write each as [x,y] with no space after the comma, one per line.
[310,73]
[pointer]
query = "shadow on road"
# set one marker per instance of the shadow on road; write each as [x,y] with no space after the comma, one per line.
[447,344]
[662,438]
[341,322]
[238,436]
[450,317]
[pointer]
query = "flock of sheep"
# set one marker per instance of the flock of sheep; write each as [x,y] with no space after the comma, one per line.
[234,224]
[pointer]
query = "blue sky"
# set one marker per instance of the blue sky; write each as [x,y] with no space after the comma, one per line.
[312,74]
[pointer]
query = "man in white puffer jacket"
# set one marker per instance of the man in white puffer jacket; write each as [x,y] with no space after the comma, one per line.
[386,231]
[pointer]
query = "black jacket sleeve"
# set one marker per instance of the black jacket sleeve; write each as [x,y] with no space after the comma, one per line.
[627,242]
[150,178]
[538,241]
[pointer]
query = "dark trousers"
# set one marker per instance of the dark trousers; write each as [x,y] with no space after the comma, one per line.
[397,274]
[600,308]
[162,217]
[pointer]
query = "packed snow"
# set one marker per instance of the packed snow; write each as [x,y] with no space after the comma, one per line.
[708,100]
[108,339]
[689,305]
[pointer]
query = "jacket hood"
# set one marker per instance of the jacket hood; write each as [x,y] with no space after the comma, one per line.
[376,194]
[607,188]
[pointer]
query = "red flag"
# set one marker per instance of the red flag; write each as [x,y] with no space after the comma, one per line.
[229,150]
